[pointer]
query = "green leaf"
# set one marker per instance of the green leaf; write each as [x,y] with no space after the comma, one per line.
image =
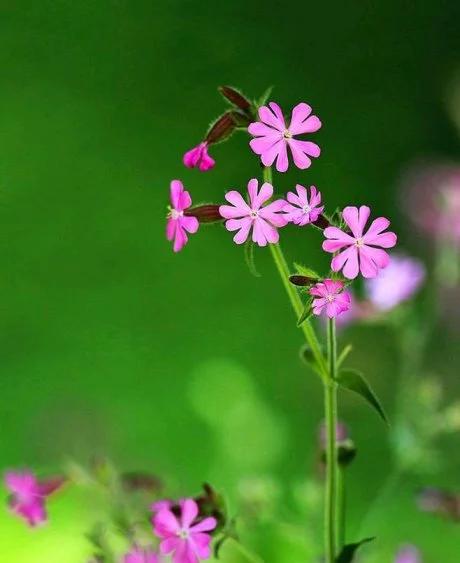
[306,314]
[354,380]
[344,354]
[264,98]
[306,356]
[308,272]
[348,551]
[249,258]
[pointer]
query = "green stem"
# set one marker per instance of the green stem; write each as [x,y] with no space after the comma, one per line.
[341,508]
[330,407]
[294,298]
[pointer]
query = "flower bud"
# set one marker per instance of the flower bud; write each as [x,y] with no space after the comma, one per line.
[221,129]
[235,97]
[322,222]
[301,281]
[208,213]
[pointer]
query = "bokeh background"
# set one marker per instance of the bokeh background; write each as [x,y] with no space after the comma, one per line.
[186,365]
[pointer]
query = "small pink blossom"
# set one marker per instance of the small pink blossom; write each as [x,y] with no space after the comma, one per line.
[273,136]
[198,157]
[178,222]
[302,209]
[408,554]
[243,217]
[181,538]
[330,295]
[361,252]
[28,495]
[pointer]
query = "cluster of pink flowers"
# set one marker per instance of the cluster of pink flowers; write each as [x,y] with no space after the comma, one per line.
[355,248]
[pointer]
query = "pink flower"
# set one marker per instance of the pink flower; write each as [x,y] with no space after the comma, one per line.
[273,136]
[303,209]
[178,223]
[138,555]
[361,253]
[198,157]
[184,541]
[160,505]
[330,294]
[408,554]
[397,283]
[264,221]
[28,495]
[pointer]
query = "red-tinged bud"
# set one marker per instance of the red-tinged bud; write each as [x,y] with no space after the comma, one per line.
[235,97]
[205,213]
[301,281]
[322,222]
[221,129]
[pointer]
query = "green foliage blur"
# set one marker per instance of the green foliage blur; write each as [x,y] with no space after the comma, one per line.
[186,365]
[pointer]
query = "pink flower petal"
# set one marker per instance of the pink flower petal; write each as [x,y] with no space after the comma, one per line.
[206,525]
[282,162]
[333,286]
[176,190]
[261,145]
[192,156]
[356,218]
[268,156]
[273,116]
[301,160]
[180,238]
[190,224]
[347,259]
[367,265]
[243,226]
[184,202]
[261,130]
[302,122]
[189,512]
[165,523]
[200,545]
[270,234]
[170,544]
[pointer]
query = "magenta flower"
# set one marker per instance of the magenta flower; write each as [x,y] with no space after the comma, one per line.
[362,252]
[178,223]
[185,541]
[28,495]
[272,136]
[302,209]
[397,283]
[408,554]
[264,221]
[198,157]
[330,295]
[138,555]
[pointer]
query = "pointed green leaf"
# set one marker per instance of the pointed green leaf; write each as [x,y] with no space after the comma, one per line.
[308,272]
[348,551]
[306,314]
[264,98]
[249,258]
[354,380]
[344,354]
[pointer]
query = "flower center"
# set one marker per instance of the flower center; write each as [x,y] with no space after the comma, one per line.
[175,214]
[330,297]
[306,209]
[254,214]
[359,242]
[183,534]
[287,134]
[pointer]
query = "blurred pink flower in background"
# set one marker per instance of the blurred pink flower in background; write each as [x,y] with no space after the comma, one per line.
[341,433]
[178,223]
[198,157]
[273,136]
[302,209]
[408,554]
[431,197]
[396,283]
[361,253]
[28,495]
[181,538]
[242,217]
[329,294]
[138,555]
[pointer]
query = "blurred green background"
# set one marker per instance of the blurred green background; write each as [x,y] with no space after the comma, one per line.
[185,364]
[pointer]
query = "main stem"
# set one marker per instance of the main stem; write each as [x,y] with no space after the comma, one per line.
[327,371]
[330,407]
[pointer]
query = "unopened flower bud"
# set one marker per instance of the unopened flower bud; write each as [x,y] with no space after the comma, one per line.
[208,213]
[222,128]
[301,281]
[138,481]
[235,97]
[322,222]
